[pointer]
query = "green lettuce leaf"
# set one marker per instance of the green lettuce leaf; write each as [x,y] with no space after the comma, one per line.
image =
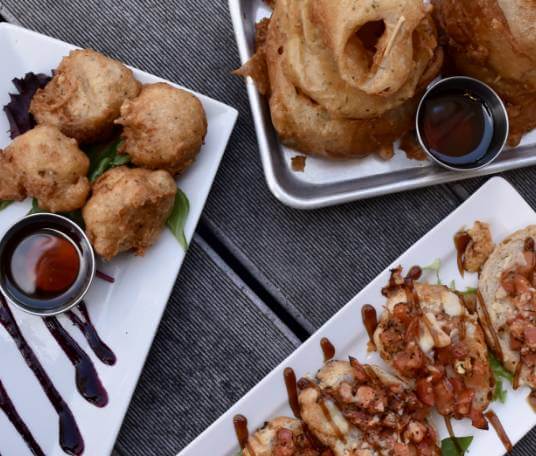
[434,267]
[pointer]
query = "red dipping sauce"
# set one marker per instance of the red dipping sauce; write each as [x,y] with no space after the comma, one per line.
[44,264]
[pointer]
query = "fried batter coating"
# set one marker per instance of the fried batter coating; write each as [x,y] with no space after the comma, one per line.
[85,95]
[479,247]
[128,209]
[344,77]
[164,128]
[495,41]
[47,165]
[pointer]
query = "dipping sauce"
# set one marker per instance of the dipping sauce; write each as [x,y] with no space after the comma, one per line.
[44,264]
[41,267]
[457,126]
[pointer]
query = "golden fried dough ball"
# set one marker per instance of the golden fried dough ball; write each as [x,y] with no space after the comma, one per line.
[47,165]
[164,128]
[128,209]
[85,95]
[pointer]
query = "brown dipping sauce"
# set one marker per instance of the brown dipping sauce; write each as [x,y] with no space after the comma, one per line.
[457,126]
[41,267]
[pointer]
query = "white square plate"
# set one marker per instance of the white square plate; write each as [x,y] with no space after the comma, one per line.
[496,203]
[126,313]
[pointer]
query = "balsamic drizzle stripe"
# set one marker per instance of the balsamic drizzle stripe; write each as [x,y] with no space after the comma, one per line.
[70,440]
[87,379]
[9,409]
[101,350]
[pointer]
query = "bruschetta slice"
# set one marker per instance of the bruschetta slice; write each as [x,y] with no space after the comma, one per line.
[427,335]
[361,410]
[507,304]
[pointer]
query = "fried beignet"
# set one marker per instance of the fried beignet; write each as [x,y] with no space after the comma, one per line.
[128,209]
[343,78]
[85,95]
[427,334]
[47,165]
[164,128]
[495,41]
[357,409]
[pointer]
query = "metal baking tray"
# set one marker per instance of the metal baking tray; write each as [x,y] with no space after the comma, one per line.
[327,182]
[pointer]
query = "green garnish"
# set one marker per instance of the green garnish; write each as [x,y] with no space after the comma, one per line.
[177,219]
[449,447]
[452,285]
[434,267]
[35,207]
[102,158]
[4,204]
[500,374]
[469,291]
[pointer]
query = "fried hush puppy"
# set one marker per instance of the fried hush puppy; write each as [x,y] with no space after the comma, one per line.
[128,210]
[163,128]
[85,95]
[45,164]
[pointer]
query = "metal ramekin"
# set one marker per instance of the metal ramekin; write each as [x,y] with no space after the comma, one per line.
[87,262]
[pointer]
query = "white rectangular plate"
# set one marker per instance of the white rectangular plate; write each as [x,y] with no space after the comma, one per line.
[126,313]
[496,203]
[327,182]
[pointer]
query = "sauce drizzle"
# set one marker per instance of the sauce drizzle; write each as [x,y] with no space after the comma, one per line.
[101,350]
[292,391]
[327,349]
[494,420]
[462,239]
[242,434]
[370,321]
[87,379]
[71,440]
[9,409]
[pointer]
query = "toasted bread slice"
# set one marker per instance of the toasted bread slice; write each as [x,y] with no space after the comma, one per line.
[507,304]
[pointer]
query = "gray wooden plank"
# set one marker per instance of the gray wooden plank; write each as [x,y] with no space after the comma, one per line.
[207,354]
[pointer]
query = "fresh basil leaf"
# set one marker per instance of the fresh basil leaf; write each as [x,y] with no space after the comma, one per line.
[4,204]
[177,219]
[434,267]
[449,447]
[103,157]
